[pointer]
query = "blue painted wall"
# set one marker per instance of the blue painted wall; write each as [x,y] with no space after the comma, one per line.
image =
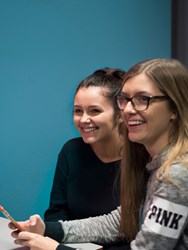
[46,48]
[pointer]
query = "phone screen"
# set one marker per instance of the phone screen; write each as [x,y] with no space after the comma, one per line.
[8,216]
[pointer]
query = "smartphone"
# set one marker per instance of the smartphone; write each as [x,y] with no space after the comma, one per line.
[8,216]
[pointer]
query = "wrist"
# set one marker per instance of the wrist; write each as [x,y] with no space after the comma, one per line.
[54,230]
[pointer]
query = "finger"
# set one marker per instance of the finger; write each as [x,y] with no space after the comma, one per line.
[26,225]
[25,235]
[11,226]
[21,242]
[33,219]
[15,233]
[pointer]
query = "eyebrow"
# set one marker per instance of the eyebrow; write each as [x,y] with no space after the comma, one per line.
[137,93]
[90,106]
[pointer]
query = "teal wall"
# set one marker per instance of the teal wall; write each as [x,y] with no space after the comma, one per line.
[46,48]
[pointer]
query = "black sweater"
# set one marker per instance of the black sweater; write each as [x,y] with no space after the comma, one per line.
[83,185]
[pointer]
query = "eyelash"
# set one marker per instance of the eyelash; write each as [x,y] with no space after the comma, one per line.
[77,111]
[93,111]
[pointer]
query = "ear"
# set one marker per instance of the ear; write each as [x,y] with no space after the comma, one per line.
[173,116]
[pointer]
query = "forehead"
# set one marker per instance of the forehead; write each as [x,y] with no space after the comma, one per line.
[140,83]
[91,94]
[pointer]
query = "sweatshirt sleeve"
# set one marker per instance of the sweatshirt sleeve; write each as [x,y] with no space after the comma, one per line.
[100,229]
[165,225]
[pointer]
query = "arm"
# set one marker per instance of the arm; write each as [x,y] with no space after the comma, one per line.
[58,199]
[100,229]
[166,220]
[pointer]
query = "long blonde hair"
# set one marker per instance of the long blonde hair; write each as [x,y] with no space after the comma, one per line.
[171,77]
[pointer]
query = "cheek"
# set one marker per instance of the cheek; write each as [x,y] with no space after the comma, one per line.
[75,120]
[161,122]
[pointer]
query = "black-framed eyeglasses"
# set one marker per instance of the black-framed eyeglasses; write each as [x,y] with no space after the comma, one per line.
[139,102]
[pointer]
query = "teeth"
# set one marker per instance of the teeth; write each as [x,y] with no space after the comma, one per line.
[135,122]
[88,129]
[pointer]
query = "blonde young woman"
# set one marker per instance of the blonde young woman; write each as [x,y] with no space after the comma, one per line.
[154,190]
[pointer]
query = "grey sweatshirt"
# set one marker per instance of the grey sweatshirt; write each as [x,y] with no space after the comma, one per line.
[164,218]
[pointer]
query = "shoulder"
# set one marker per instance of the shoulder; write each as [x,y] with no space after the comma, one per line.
[178,167]
[75,146]
[176,187]
[179,172]
[74,143]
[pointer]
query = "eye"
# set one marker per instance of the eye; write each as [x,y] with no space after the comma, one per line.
[95,111]
[124,98]
[78,111]
[142,99]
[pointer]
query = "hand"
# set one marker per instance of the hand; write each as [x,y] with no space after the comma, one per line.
[35,225]
[36,241]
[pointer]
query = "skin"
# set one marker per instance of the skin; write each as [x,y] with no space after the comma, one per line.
[32,236]
[36,241]
[150,127]
[95,119]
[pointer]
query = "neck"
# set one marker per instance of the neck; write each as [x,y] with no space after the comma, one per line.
[156,149]
[108,151]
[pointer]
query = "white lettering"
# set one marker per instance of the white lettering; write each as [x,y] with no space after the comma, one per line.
[166,218]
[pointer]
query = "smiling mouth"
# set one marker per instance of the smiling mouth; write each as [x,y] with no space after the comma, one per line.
[135,123]
[87,130]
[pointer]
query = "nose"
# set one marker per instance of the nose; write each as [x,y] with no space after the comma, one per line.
[129,108]
[85,118]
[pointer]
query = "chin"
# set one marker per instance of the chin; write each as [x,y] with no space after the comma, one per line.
[88,140]
[135,139]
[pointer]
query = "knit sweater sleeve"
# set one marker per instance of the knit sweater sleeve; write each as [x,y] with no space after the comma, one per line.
[101,229]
